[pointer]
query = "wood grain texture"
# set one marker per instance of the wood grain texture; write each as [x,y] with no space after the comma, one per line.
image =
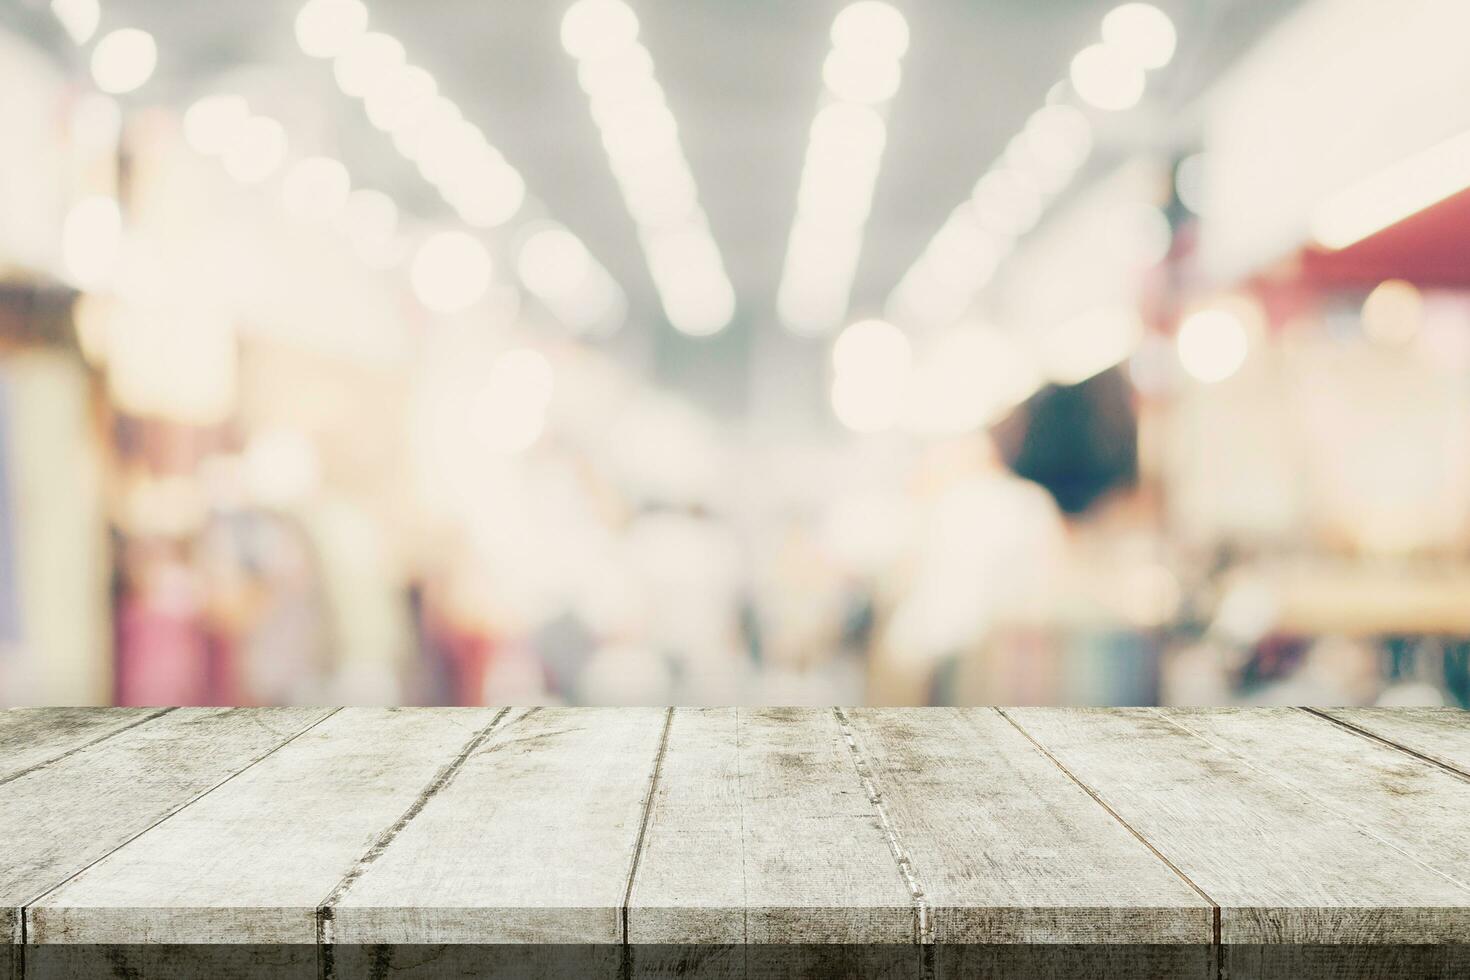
[733,842]
[251,862]
[1283,866]
[1441,734]
[32,737]
[1007,847]
[1408,803]
[57,819]
[532,842]
[761,832]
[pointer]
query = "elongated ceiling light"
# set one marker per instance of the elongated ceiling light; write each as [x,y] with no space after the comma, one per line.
[641,139]
[428,129]
[1038,164]
[843,156]
[1391,195]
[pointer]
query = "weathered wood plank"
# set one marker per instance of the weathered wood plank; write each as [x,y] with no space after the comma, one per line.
[1441,734]
[1284,867]
[31,737]
[250,862]
[1007,847]
[531,842]
[58,818]
[761,831]
[1413,805]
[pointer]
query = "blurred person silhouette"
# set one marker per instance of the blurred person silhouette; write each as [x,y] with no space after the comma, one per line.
[990,549]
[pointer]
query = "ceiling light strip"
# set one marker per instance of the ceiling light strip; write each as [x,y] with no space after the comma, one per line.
[641,139]
[1039,163]
[861,73]
[428,129]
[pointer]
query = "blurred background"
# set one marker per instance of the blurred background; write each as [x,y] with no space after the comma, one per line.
[700,351]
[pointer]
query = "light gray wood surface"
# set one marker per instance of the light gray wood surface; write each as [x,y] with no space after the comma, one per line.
[32,737]
[531,842]
[1283,866]
[251,862]
[654,826]
[1421,810]
[762,831]
[1007,847]
[58,818]
[1440,734]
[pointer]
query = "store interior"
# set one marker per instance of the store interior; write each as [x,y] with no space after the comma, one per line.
[697,352]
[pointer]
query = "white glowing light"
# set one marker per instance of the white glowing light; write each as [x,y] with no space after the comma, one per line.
[871,367]
[325,28]
[843,157]
[123,60]
[1142,33]
[1141,232]
[1390,196]
[257,151]
[1038,163]
[624,74]
[867,409]
[366,59]
[96,122]
[870,348]
[177,364]
[872,30]
[211,123]
[641,138]
[511,408]
[1055,140]
[595,27]
[489,198]
[79,18]
[1189,183]
[553,262]
[397,99]
[315,189]
[967,379]
[700,311]
[855,79]
[1076,349]
[370,221]
[451,272]
[1006,204]
[963,254]
[90,239]
[1393,312]
[281,467]
[1106,79]
[843,130]
[1212,345]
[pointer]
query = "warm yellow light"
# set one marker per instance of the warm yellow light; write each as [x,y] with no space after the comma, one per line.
[1394,194]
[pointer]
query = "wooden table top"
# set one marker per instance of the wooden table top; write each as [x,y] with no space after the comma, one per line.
[630,826]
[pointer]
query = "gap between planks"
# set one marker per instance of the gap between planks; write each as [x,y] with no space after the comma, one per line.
[1381,740]
[1302,791]
[442,778]
[85,745]
[1214,905]
[923,921]
[24,912]
[638,843]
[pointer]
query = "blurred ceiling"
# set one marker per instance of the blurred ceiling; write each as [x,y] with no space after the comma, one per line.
[743,81]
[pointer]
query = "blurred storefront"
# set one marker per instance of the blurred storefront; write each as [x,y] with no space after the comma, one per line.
[1203,436]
